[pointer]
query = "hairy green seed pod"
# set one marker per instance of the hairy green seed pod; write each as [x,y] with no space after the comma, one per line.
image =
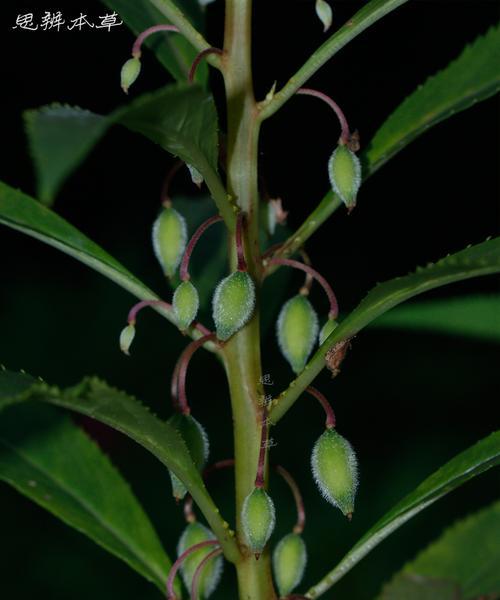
[126,338]
[210,577]
[233,304]
[129,73]
[324,12]
[289,562]
[169,239]
[335,470]
[196,439]
[297,330]
[344,170]
[258,519]
[327,328]
[185,304]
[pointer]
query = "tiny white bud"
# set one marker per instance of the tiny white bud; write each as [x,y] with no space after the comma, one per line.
[324,12]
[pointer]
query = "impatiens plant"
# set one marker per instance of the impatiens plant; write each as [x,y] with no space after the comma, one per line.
[54,462]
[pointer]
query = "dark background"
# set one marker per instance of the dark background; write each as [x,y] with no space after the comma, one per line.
[407,402]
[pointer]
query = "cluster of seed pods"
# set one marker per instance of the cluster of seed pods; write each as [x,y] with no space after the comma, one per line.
[333,461]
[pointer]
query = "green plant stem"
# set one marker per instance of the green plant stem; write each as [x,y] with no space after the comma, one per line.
[369,14]
[242,352]
[175,16]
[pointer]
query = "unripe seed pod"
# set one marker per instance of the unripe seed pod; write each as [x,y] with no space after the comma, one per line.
[233,304]
[344,170]
[327,328]
[335,470]
[185,304]
[210,577]
[289,562]
[196,440]
[297,330]
[129,73]
[126,338]
[169,239]
[258,519]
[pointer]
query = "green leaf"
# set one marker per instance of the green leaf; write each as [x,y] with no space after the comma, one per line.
[473,76]
[46,457]
[60,137]
[450,561]
[19,211]
[482,259]
[463,467]
[471,316]
[180,117]
[124,413]
[173,51]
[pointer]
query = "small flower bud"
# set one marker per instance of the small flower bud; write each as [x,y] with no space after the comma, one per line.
[327,328]
[289,563]
[129,73]
[258,519]
[324,12]
[169,239]
[196,440]
[233,304]
[126,338]
[185,304]
[196,176]
[297,331]
[210,577]
[335,470]
[344,170]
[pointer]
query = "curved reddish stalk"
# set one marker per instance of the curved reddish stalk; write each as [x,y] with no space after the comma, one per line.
[184,269]
[165,189]
[198,59]
[299,503]
[345,136]
[182,371]
[240,252]
[271,250]
[195,583]
[288,262]
[330,415]
[175,567]
[136,48]
[132,315]
[259,478]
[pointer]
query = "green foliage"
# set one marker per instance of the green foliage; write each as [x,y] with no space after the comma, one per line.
[450,562]
[46,457]
[173,51]
[470,316]
[181,118]
[463,467]
[472,77]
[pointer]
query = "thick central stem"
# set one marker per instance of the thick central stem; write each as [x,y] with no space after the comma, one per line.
[242,352]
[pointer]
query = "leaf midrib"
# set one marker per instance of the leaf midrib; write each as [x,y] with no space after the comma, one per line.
[155,575]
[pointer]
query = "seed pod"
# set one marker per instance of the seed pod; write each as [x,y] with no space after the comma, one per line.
[289,563]
[210,577]
[335,470]
[327,328]
[126,338]
[344,170]
[185,303]
[129,73]
[324,12]
[196,439]
[258,519]
[233,304]
[297,330]
[169,239]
